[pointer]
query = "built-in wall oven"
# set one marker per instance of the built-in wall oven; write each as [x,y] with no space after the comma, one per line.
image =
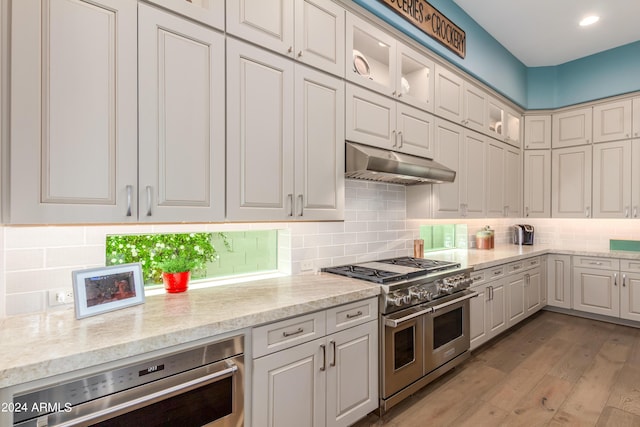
[424,321]
[201,386]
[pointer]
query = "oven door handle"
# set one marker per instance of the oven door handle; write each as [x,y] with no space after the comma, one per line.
[150,398]
[394,323]
[473,294]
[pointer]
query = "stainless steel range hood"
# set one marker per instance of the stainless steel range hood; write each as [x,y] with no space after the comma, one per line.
[376,164]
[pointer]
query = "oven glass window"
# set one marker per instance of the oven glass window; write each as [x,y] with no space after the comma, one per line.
[404,347]
[447,327]
[194,408]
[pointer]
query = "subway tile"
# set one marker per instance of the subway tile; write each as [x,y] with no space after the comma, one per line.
[344,238]
[39,280]
[74,256]
[331,251]
[355,227]
[331,227]
[355,249]
[368,215]
[40,237]
[25,303]
[24,259]
[367,237]
[377,226]
[315,240]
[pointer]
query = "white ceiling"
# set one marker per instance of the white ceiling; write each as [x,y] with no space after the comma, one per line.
[546,32]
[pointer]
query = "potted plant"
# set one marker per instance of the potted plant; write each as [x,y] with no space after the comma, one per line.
[176,273]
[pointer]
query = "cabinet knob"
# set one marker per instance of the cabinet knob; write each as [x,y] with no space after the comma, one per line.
[299,54]
[290,49]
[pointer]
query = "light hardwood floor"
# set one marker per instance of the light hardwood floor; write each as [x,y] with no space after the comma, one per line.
[552,370]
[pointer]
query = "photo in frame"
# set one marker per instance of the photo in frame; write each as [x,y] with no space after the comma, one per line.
[103,289]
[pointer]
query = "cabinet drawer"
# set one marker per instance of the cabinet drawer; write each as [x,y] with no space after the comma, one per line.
[595,262]
[348,315]
[531,262]
[494,273]
[478,277]
[287,333]
[515,267]
[629,265]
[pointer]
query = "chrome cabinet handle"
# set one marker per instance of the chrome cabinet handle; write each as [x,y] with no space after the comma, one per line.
[301,198]
[526,211]
[588,212]
[333,347]
[497,272]
[635,212]
[401,138]
[626,212]
[624,280]
[148,200]
[290,334]
[395,137]
[290,198]
[351,316]
[129,195]
[324,357]
[615,279]
[595,263]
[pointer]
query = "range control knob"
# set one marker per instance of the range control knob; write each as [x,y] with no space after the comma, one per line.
[395,300]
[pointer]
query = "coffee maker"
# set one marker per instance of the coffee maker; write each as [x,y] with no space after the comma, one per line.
[523,234]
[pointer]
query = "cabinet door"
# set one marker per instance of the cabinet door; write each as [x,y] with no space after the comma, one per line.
[415,78]
[472,175]
[497,307]
[352,374]
[512,122]
[612,121]
[516,297]
[543,281]
[596,291]
[289,387]
[537,132]
[630,296]
[475,107]
[635,177]
[513,183]
[571,128]
[415,130]
[319,35]
[370,56]
[268,23]
[259,134]
[559,281]
[495,119]
[571,182]
[370,118]
[73,112]
[612,180]
[478,317]
[448,95]
[636,117]
[182,120]
[210,12]
[537,183]
[494,191]
[533,283]
[449,145]
[319,145]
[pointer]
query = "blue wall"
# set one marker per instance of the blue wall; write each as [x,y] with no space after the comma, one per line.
[608,73]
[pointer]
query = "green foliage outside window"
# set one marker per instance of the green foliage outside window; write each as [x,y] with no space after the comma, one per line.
[152,250]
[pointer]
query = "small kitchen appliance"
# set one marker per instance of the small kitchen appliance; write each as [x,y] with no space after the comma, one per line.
[424,320]
[523,234]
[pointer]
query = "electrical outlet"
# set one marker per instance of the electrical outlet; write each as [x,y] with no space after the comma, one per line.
[60,296]
[306,265]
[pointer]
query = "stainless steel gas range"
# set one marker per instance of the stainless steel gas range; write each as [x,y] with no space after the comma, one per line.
[424,322]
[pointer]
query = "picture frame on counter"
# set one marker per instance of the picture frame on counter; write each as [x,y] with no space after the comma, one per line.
[103,289]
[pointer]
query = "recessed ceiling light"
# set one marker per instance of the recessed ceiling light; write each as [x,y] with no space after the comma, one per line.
[592,19]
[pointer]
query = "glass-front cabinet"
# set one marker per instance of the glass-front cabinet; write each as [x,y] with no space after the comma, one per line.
[379,62]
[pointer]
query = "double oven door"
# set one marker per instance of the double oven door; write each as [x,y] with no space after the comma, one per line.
[420,339]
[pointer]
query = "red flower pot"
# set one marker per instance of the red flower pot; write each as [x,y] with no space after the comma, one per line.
[176,282]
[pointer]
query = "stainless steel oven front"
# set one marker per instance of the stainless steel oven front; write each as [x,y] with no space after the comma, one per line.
[422,342]
[202,386]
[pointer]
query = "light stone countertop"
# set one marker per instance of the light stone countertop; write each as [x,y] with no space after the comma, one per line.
[38,346]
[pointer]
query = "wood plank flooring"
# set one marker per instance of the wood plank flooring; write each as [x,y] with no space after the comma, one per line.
[551,370]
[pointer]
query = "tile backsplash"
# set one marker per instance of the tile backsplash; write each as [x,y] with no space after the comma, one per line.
[35,259]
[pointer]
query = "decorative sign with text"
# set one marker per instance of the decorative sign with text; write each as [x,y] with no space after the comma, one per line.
[433,23]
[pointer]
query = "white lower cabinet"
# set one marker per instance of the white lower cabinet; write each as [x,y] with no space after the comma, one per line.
[559,281]
[327,381]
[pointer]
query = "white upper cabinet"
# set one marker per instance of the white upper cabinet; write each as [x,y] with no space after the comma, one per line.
[537,132]
[537,183]
[572,128]
[503,183]
[571,182]
[312,31]
[210,12]
[612,121]
[636,117]
[414,80]
[612,180]
[449,95]
[181,119]
[73,112]
[370,56]
[379,121]
[472,175]
[474,107]
[262,182]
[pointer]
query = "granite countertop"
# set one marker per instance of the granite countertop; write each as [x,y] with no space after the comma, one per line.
[44,345]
